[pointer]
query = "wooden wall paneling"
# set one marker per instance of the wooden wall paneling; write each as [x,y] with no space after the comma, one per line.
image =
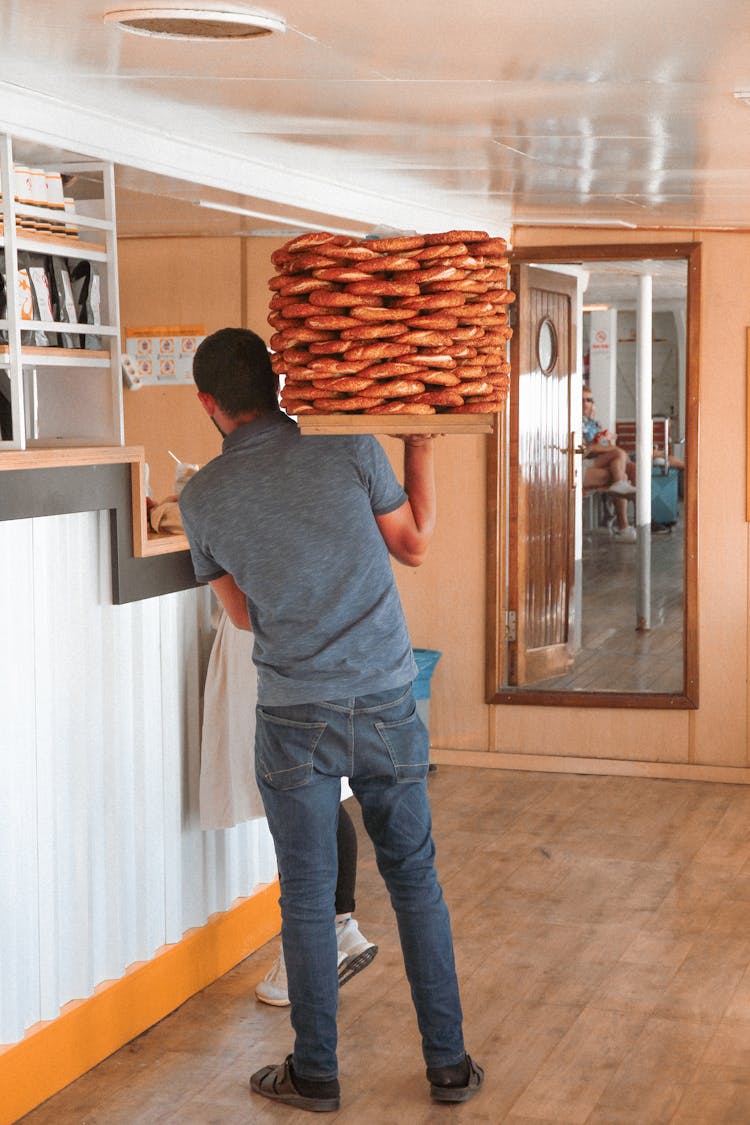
[257,269]
[721,724]
[176,281]
[444,599]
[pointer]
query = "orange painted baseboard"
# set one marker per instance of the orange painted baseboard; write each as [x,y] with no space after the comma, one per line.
[54,1054]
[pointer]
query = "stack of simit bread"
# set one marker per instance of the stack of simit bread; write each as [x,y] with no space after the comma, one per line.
[405,325]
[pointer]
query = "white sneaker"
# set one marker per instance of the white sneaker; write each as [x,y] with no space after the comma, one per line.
[626,535]
[355,951]
[273,988]
[622,488]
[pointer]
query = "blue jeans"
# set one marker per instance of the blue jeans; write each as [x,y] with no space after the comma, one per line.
[381,745]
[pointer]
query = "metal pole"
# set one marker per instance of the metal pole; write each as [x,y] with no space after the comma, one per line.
[644,450]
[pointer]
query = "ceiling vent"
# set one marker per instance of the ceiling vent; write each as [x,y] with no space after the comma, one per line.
[195,23]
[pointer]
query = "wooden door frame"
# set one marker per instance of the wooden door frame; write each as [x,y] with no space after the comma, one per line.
[497,483]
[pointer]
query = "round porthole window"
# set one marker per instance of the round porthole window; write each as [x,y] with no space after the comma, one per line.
[546,345]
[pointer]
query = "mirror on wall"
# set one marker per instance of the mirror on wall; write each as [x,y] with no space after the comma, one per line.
[593,526]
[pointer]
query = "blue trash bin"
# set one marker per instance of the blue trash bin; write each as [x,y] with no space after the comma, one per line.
[426,659]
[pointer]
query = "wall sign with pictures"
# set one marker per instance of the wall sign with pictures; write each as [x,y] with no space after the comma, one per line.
[161,355]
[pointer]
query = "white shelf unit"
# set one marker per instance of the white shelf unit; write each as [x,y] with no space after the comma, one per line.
[55,395]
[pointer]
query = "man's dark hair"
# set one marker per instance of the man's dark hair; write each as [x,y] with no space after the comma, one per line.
[234,367]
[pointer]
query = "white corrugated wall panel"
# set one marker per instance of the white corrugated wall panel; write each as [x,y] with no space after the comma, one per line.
[103,859]
[19,915]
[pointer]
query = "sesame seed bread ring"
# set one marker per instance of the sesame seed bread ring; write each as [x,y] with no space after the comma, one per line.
[460,285]
[432,301]
[455,236]
[298,311]
[488,323]
[349,383]
[375,331]
[372,312]
[489,246]
[388,263]
[292,407]
[495,337]
[433,376]
[396,407]
[426,338]
[333,298]
[277,281]
[291,337]
[437,273]
[394,245]
[503,296]
[442,321]
[295,286]
[281,258]
[355,253]
[440,250]
[336,405]
[329,347]
[381,287]
[300,374]
[476,387]
[295,389]
[471,332]
[390,369]
[441,398]
[394,388]
[279,303]
[432,360]
[489,359]
[379,349]
[336,366]
[460,351]
[302,263]
[296,357]
[341,274]
[312,238]
[489,407]
[282,323]
[329,321]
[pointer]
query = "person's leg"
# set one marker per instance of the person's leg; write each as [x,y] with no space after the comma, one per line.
[355,951]
[301,805]
[346,843]
[389,781]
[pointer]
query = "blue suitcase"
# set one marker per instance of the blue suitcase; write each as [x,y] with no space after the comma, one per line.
[664,495]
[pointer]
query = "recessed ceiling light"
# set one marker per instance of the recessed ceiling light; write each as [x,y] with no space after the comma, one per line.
[195,23]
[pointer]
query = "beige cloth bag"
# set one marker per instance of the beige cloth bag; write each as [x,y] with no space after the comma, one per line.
[228,790]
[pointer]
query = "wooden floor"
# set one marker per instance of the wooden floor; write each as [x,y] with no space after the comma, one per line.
[614,656]
[602,931]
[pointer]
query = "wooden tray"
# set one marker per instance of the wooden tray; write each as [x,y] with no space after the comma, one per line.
[396,423]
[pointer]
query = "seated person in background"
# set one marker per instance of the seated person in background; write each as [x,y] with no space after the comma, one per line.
[609,467]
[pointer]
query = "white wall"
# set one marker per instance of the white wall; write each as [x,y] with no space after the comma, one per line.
[102,860]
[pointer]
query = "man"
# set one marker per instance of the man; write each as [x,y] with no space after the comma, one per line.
[294,534]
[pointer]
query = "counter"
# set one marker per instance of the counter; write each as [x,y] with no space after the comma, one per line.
[46,482]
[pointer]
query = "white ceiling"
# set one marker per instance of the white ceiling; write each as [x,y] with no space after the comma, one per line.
[416,113]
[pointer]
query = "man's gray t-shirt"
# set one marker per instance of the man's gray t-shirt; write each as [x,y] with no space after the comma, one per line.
[291,518]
